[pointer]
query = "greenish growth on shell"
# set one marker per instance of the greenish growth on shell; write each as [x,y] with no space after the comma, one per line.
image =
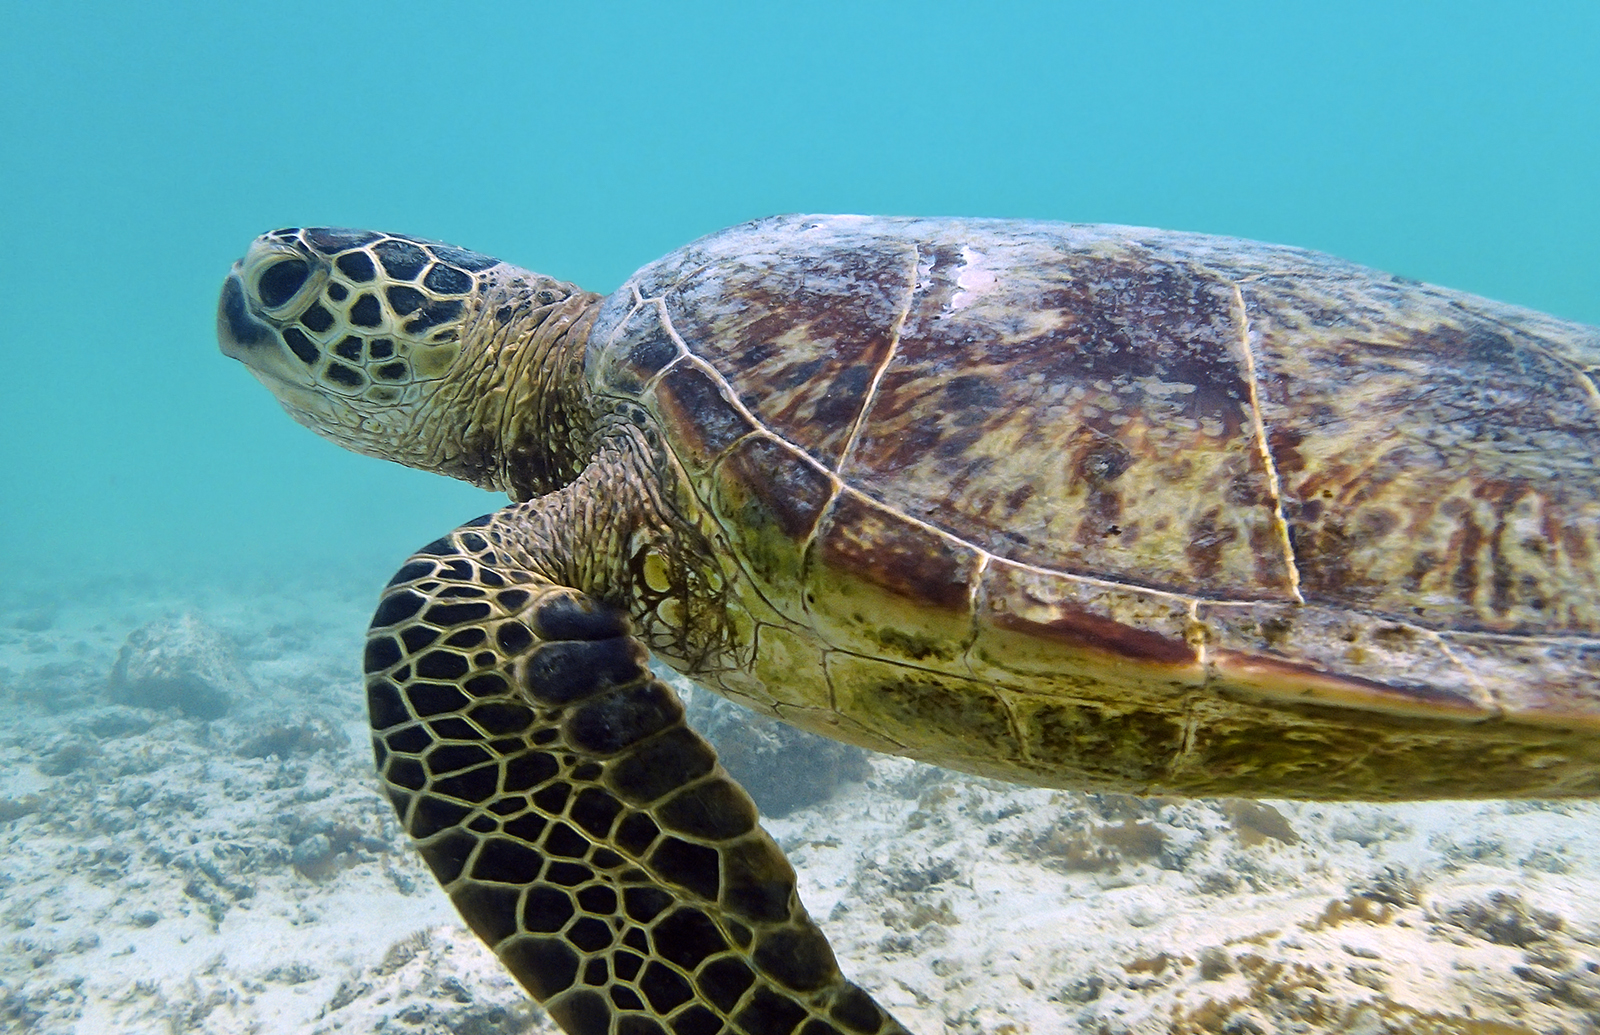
[1133,747]
[916,646]
[929,704]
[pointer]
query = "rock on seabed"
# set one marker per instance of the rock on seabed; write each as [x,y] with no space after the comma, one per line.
[179,663]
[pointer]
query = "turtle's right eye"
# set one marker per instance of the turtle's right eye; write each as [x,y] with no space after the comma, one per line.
[279,282]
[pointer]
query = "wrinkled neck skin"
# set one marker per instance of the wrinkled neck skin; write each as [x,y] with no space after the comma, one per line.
[605,498]
[520,420]
[629,531]
[605,505]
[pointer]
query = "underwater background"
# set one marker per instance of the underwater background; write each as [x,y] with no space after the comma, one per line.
[145,145]
[144,476]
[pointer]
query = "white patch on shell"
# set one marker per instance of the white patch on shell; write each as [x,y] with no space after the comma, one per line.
[973,280]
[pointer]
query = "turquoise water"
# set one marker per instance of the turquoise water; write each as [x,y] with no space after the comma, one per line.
[145,145]
[141,472]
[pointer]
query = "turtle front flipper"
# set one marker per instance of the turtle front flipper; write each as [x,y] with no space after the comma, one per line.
[581,828]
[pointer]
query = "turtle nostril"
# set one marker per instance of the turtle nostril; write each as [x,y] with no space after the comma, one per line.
[279,282]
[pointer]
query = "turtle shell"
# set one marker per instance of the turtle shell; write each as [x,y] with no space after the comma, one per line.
[1133,508]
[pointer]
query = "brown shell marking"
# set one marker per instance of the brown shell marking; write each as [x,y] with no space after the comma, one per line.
[866,563]
[1083,504]
[806,340]
[1439,454]
[1141,408]
[1047,412]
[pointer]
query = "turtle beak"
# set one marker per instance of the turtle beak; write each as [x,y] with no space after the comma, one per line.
[238,332]
[244,337]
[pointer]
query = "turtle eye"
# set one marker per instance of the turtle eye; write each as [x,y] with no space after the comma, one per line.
[279,282]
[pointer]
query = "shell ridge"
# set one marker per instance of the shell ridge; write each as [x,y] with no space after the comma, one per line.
[1192,720]
[684,352]
[1157,591]
[1089,580]
[836,489]
[1197,639]
[1280,524]
[1587,379]
[1486,698]
[753,583]
[888,358]
[615,330]
[975,601]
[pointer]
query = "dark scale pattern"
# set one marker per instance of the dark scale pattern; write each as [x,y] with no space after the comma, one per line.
[317,318]
[357,266]
[366,311]
[405,300]
[303,347]
[401,260]
[349,377]
[432,315]
[453,728]
[447,280]
[463,258]
[578,825]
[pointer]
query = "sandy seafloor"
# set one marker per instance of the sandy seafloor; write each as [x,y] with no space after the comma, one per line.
[170,874]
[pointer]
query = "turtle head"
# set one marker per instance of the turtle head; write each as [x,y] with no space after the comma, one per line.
[379,341]
[351,330]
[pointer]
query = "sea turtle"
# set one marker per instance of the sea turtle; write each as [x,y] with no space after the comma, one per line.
[1077,506]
